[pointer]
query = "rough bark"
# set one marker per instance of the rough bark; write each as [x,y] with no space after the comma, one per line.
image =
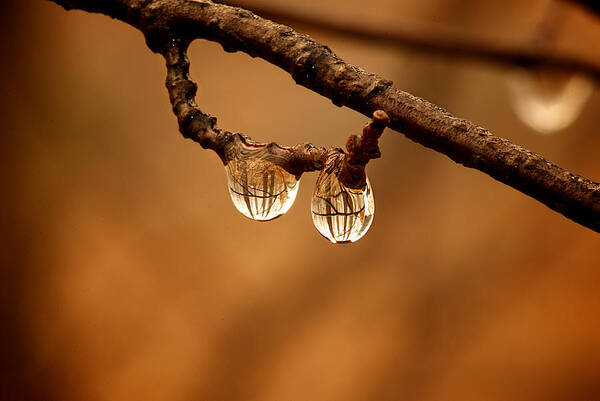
[453,47]
[169,25]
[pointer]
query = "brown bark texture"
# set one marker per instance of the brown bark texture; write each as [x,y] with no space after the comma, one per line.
[170,25]
[454,47]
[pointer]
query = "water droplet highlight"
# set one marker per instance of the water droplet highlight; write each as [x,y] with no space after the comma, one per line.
[339,213]
[546,100]
[259,189]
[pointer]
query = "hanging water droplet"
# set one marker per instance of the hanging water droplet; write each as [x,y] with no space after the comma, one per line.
[548,100]
[259,189]
[339,213]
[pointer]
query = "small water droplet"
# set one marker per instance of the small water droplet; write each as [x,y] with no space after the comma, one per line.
[339,213]
[547,100]
[259,189]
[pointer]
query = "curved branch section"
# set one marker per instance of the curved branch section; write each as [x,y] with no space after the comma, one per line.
[316,67]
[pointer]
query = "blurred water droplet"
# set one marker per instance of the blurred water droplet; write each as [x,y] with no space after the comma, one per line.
[548,100]
[259,189]
[339,213]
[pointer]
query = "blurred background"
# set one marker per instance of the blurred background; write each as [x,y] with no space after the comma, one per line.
[127,273]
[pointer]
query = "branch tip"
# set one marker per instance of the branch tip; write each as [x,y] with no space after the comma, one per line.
[380,117]
[362,149]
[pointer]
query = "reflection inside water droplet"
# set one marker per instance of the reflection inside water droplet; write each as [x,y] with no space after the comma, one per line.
[259,189]
[548,100]
[339,213]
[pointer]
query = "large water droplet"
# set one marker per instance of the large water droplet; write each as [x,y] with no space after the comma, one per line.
[260,190]
[339,213]
[548,100]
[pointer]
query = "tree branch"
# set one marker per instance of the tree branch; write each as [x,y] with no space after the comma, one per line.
[169,25]
[454,47]
[201,128]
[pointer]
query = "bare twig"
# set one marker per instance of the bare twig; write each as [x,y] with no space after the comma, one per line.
[201,127]
[453,46]
[169,25]
[361,150]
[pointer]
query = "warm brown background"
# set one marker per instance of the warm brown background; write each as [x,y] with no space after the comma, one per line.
[127,274]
